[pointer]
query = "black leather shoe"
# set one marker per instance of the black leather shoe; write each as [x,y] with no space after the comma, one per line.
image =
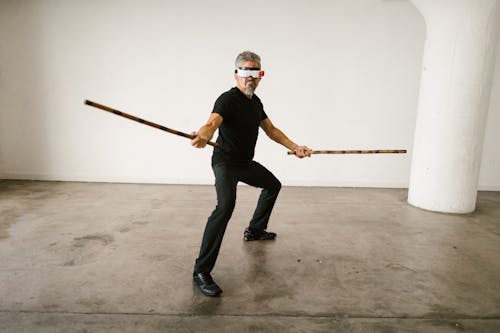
[252,235]
[206,284]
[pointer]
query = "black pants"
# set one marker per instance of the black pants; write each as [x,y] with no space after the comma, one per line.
[226,179]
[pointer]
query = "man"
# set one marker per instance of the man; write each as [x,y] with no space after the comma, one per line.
[238,114]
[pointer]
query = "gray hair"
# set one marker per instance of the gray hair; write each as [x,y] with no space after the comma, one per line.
[246,56]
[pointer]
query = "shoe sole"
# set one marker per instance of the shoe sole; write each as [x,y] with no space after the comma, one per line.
[258,239]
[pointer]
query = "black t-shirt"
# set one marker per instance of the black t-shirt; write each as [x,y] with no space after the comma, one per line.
[240,127]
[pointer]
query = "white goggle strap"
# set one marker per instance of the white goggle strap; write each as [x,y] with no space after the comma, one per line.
[255,73]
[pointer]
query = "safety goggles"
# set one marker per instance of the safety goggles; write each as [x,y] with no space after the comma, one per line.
[245,72]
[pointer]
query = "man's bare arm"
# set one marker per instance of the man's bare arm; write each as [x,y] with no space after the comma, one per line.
[278,136]
[206,132]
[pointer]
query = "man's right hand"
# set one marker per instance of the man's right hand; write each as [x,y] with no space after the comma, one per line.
[198,141]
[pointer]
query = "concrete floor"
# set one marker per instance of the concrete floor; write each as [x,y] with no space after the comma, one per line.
[94,257]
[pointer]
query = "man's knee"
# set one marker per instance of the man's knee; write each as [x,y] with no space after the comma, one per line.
[226,206]
[276,186]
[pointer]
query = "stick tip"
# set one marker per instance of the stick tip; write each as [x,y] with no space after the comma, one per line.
[87,102]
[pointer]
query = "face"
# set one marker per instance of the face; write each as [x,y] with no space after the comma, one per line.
[247,85]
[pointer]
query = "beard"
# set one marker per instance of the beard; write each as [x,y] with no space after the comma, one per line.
[250,88]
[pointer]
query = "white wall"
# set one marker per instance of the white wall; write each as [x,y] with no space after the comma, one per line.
[339,75]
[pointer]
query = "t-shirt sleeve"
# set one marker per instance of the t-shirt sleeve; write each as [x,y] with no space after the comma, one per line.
[221,106]
[264,115]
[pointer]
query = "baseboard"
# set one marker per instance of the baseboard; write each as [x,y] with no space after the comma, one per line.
[200,181]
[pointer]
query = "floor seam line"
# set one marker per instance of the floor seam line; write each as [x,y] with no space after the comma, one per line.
[333,316]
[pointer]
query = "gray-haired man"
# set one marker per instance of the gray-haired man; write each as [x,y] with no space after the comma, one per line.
[238,114]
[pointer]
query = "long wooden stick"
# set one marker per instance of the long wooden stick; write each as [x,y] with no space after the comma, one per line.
[214,144]
[142,121]
[378,151]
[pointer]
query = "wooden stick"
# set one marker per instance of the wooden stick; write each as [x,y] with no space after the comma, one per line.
[142,121]
[378,151]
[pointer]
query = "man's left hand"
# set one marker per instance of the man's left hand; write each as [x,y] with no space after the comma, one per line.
[302,151]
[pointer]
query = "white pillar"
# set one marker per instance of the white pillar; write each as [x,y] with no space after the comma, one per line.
[454,94]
